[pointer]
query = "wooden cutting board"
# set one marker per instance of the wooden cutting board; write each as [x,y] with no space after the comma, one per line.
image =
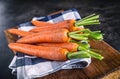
[109,68]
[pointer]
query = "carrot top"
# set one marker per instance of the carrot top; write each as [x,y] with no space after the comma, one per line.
[89,20]
[84,34]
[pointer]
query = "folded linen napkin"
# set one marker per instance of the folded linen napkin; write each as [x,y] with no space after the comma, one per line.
[29,67]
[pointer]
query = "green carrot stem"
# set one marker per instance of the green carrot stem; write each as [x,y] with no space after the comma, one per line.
[74,41]
[75,32]
[83,46]
[84,54]
[79,54]
[96,35]
[85,24]
[96,55]
[89,20]
[89,16]
[93,22]
[78,37]
[92,18]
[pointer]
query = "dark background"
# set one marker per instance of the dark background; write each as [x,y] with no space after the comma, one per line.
[14,12]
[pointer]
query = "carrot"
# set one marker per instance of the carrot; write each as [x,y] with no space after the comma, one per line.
[70,46]
[18,32]
[60,35]
[59,25]
[39,29]
[40,23]
[71,25]
[52,53]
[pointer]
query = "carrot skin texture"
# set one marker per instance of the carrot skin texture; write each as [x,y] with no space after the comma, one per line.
[72,47]
[67,24]
[40,23]
[52,53]
[18,32]
[58,36]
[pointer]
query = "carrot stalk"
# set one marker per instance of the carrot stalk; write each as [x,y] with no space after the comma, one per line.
[89,20]
[79,54]
[83,46]
[84,54]
[96,35]
[95,55]
[78,37]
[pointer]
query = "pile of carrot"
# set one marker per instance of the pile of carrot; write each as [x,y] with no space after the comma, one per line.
[60,41]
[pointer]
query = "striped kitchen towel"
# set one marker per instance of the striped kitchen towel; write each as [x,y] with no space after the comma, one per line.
[29,67]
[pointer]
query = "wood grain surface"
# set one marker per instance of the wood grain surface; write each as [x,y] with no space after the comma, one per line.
[109,68]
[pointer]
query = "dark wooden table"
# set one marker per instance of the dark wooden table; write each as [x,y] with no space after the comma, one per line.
[14,12]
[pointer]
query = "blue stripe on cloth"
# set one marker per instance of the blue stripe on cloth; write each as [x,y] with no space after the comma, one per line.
[56,15]
[70,10]
[59,19]
[25,24]
[45,18]
[29,61]
[24,61]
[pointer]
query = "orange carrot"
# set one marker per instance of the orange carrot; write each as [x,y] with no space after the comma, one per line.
[18,32]
[60,35]
[70,46]
[67,24]
[52,53]
[71,25]
[40,23]
[39,29]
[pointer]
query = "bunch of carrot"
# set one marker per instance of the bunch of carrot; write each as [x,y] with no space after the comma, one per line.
[60,41]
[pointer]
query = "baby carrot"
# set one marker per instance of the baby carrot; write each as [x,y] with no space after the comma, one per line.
[52,53]
[18,32]
[40,23]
